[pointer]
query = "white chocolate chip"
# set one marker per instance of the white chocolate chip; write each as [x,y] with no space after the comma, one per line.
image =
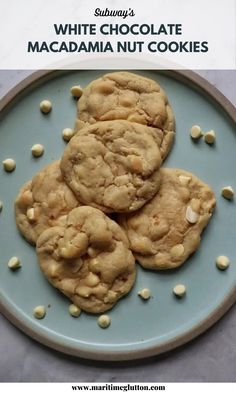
[145,293]
[210,137]
[53,270]
[111,296]
[184,180]
[179,290]
[195,205]
[227,192]
[92,280]
[45,106]
[68,252]
[191,216]
[76,91]
[222,262]
[9,164]
[67,134]
[31,214]
[1,206]
[94,265]
[14,263]
[177,251]
[37,150]
[92,252]
[195,132]
[83,291]
[74,310]
[104,321]
[39,312]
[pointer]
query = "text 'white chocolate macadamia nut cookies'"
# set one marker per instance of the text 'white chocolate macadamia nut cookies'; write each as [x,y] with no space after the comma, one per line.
[43,202]
[113,165]
[88,259]
[132,97]
[167,229]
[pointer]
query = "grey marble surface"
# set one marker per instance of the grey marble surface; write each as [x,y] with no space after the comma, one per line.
[209,358]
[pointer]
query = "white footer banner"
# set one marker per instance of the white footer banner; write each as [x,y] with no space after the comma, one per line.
[118,387]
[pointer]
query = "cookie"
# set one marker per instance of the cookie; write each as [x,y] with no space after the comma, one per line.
[113,165]
[43,202]
[132,97]
[88,259]
[168,228]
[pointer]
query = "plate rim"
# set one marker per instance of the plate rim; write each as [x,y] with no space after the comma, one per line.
[104,355]
[38,77]
[198,82]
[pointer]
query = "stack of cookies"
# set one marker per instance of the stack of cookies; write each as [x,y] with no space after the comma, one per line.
[124,131]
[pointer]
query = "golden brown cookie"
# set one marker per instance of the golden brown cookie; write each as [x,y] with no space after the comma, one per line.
[132,97]
[113,165]
[43,202]
[167,229]
[88,259]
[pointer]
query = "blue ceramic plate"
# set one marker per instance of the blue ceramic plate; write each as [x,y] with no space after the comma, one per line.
[138,328]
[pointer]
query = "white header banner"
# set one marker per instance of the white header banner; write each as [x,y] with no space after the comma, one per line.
[68,34]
